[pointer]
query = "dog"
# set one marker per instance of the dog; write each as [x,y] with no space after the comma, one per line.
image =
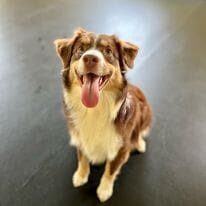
[107,117]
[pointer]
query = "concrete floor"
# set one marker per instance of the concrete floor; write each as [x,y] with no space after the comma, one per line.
[36,164]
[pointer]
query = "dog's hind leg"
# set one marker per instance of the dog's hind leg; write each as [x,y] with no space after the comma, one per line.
[140,145]
[145,132]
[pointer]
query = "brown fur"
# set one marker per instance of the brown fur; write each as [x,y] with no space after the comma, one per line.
[130,115]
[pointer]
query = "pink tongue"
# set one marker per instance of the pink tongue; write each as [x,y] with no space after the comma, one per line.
[90,90]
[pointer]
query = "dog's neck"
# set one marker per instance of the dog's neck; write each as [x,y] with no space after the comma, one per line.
[109,103]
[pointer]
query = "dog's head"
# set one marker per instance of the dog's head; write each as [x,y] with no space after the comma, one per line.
[94,63]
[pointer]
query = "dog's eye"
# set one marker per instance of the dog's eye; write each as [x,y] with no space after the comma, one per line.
[81,50]
[107,51]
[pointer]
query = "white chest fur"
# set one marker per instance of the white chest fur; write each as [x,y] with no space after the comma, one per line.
[95,132]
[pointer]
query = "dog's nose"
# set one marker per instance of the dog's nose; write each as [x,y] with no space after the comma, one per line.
[90,60]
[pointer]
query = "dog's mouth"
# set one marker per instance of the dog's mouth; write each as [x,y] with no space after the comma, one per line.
[91,85]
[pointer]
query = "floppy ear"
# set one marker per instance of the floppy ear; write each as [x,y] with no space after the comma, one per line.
[128,52]
[64,49]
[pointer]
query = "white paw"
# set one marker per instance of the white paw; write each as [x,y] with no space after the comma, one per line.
[141,147]
[105,190]
[78,180]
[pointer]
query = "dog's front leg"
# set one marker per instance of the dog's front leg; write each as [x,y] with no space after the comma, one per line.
[112,168]
[81,175]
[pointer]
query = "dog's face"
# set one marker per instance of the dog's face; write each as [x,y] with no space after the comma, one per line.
[95,63]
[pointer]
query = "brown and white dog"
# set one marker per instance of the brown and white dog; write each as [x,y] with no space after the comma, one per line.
[106,116]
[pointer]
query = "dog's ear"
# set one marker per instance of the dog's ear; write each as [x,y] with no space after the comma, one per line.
[64,50]
[127,54]
[65,46]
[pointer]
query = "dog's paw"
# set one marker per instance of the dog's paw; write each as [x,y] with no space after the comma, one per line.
[141,146]
[105,190]
[78,180]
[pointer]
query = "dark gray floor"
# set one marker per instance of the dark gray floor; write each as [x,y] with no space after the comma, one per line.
[36,164]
